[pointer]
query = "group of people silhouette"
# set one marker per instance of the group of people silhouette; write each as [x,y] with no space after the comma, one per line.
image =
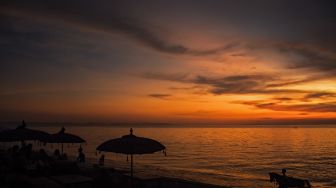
[26,151]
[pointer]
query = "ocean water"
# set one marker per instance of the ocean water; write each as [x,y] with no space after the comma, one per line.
[237,157]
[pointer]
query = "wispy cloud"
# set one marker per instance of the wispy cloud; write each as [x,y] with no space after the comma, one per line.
[236,84]
[308,107]
[305,103]
[160,96]
[110,22]
[176,77]
[197,113]
[318,95]
[298,55]
[283,99]
[307,57]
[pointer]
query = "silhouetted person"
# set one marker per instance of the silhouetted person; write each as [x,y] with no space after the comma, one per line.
[101,160]
[18,159]
[43,156]
[285,179]
[80,149]
[14,151]
[43,160]
[64,156]
[81,156]
[23,123]
[28,151]
[23,148]
[284,172]
[57,154]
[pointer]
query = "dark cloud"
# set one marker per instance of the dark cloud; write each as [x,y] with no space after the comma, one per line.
[304,57]
[177,77]
[297,81]
[197,113]
[283,98]
[234,84]
[298,55]
[160,96]
[320,107]
[237,84]
[303,103]
[312,122]
[111,21]
[116,17]
[318,95]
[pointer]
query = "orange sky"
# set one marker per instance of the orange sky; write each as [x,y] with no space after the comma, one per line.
[122,63]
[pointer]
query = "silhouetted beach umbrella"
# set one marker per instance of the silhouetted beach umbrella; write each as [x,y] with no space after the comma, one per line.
[130,145]
[63,137]
[21,133]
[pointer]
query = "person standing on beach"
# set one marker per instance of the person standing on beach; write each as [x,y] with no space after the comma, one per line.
[284,177]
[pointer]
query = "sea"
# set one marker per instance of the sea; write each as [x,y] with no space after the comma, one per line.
[236,157]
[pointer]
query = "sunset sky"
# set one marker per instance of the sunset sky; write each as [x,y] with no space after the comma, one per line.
[224,61]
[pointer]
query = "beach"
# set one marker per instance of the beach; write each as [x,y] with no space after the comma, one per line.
[70,173]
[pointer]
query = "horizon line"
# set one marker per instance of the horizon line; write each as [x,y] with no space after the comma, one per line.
[173,125]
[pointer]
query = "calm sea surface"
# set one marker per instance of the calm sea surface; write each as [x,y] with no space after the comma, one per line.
[238,157]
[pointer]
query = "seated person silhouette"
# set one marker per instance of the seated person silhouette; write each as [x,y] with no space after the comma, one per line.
[64,156]
[101,160]
[57,155]
[81,156]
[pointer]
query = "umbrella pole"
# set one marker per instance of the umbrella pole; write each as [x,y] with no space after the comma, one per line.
[132,170]
[62,148]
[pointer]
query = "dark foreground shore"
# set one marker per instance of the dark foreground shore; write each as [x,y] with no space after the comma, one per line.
[35,171]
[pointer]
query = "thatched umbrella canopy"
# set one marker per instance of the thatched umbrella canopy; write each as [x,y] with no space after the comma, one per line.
[63,137]
[21,133]
[130,145]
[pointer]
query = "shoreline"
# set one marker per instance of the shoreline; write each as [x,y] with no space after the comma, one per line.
[149,178]
[90,173]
